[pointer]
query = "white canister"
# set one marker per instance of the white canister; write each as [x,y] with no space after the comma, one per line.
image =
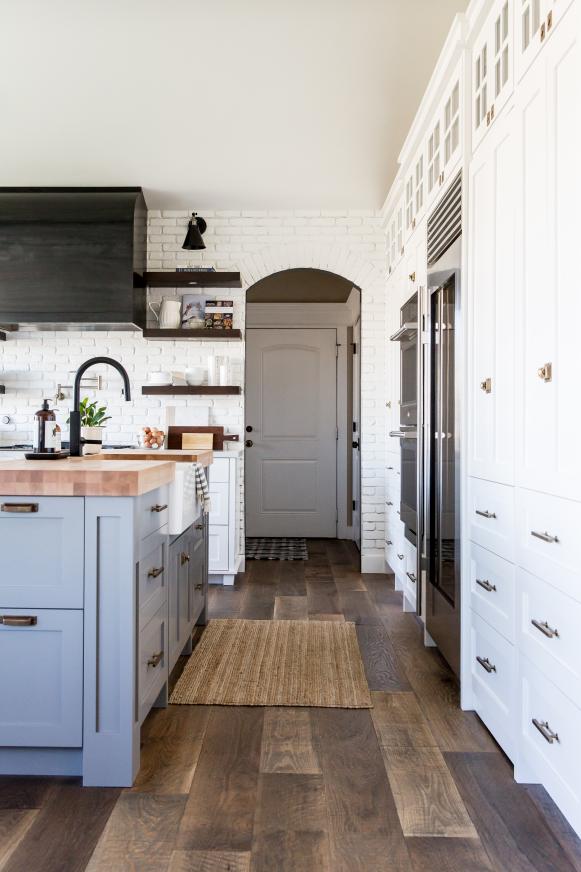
[211,369]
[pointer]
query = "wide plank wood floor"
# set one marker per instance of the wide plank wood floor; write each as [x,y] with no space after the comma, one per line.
[413,785]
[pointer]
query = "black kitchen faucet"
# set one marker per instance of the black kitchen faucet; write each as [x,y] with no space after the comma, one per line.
[75,416]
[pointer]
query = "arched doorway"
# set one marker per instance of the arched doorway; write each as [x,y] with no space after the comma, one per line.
[302,408]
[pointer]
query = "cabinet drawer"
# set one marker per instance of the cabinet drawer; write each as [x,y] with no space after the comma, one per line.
[220,470]
[548,535]
[492,662]
[219,495]
[152,511]
[41,676]
[492,590]
[491,516]
[42,552]
[153,660]
[411,585]
[218,549]
[556,764]
[552,642]
[152,575]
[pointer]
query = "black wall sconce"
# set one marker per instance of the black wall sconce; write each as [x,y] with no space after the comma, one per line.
[196,227]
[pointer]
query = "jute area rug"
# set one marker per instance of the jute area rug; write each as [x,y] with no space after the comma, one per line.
[275,663]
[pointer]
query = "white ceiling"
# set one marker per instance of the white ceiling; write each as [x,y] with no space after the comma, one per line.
[215,104]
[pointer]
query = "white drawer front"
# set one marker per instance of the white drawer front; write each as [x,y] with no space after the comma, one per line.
[152,511]
[42,552]
[548,627]
[152,575]
[556,764]
[153,661]
[41,676]
[556,556]
[492,590]
[491,516]
[219,495]
[220,470]
[218,549]
[492,661]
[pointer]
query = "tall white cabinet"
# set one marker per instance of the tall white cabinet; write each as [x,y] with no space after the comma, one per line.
[519,111]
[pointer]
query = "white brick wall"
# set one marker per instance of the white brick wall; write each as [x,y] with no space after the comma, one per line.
[350,243]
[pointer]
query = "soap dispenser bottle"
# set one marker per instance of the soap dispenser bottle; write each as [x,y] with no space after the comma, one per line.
[48,432]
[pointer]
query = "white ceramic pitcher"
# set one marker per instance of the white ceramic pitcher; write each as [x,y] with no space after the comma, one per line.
[168,312]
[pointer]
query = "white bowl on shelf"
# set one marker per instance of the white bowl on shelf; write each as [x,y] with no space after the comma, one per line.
[197,375]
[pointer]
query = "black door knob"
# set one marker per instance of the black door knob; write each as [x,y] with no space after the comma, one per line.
[355,444]
[249,429]
[249,443]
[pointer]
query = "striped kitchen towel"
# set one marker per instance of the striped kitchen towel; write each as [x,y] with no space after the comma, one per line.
[196,486]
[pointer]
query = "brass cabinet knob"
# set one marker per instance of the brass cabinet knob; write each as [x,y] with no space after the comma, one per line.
[545,372]
[486,385]
[184,558]
[155,659]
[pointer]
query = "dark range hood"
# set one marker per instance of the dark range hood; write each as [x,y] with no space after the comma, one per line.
[72,258]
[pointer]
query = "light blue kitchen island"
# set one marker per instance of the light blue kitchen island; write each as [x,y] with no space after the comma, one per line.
[97,601]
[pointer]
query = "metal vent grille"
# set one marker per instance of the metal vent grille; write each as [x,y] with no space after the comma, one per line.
[445,223]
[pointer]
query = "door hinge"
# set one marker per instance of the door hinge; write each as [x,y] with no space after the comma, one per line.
[354,348]
[354,506]
[337,433]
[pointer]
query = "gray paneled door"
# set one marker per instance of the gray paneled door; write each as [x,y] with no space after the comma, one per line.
[291,406]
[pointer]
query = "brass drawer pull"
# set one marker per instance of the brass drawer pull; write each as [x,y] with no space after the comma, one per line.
[184,558]
[158,508]
[411,577]
[153,573]
[483,582]
[544,537]
[155,659]
[19,508]
[485,514]
[486,664]
[543,626]
[198,527]
[412,277]
[486,385]
[19,620]
[546,372]
[543,32]
[545,731]
[199,586]
[549,20]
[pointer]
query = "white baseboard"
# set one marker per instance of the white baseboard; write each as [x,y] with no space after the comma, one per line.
[373,563]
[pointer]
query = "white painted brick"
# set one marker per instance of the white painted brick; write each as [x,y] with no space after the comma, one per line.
[256,242]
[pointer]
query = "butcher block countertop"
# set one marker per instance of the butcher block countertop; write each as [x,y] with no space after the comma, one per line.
[84,477]
[178,455]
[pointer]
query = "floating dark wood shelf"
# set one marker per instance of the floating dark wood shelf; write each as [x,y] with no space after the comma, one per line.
[151,390]
[211,333]
[192,279]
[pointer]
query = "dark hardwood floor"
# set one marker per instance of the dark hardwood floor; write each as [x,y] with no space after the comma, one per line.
[413,785]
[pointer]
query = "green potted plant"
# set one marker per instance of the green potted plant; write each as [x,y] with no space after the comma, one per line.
[92,419]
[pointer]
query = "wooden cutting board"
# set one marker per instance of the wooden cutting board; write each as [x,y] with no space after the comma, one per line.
[175,434]
[200,441]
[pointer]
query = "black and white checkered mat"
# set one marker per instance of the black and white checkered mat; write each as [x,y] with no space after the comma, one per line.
[276,549]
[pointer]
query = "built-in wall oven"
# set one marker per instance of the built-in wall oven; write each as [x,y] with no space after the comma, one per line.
[407,336]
